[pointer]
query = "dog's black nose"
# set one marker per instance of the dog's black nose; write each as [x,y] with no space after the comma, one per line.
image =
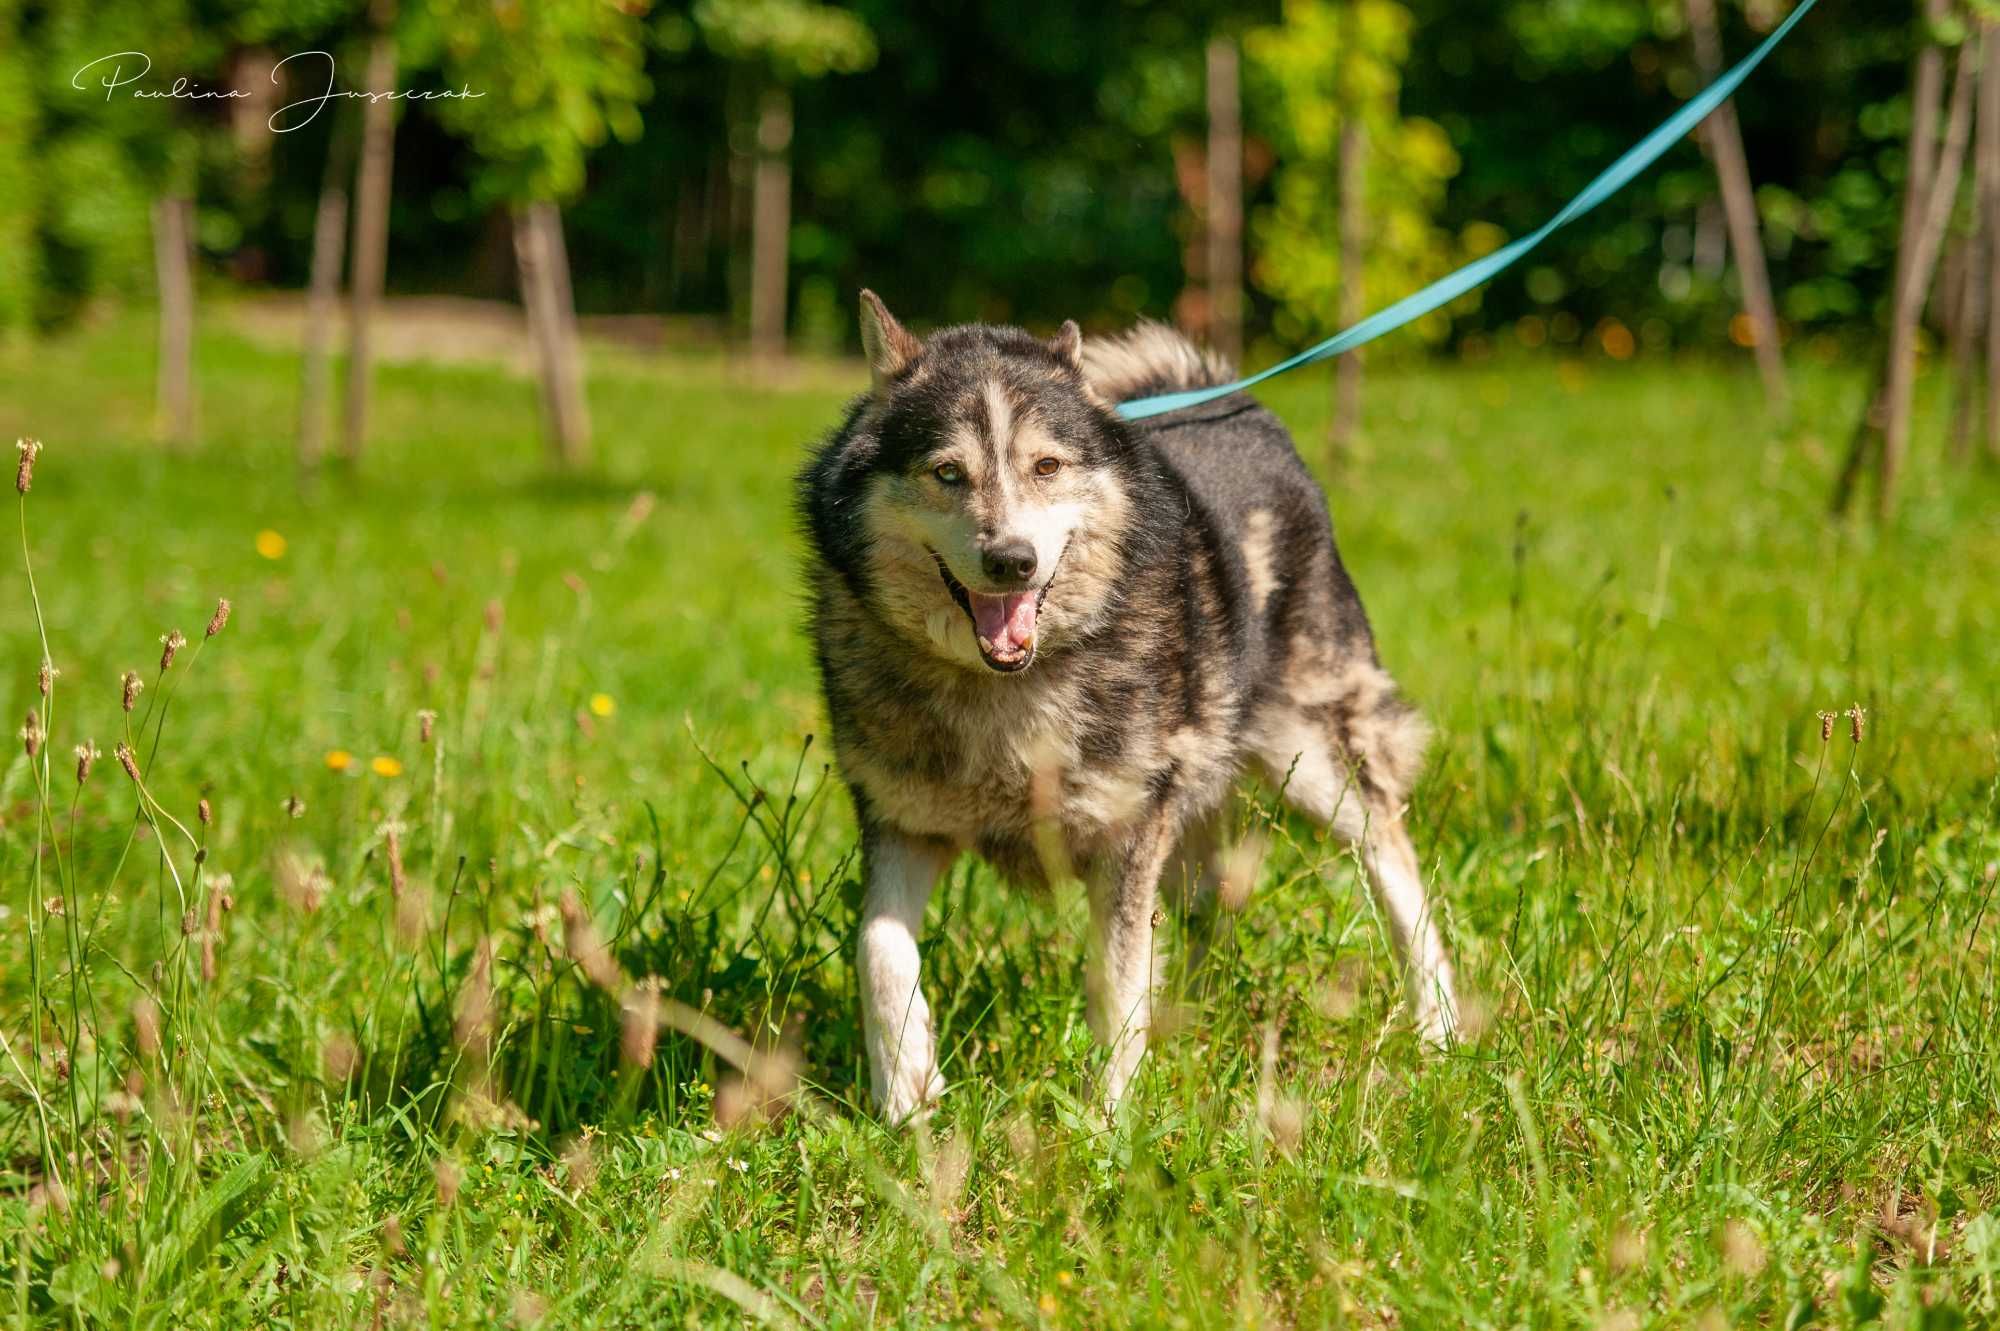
[1008,561]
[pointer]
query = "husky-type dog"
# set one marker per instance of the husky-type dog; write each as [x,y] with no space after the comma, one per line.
[1050,635]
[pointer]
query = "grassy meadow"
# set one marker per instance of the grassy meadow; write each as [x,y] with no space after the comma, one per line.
[516,837]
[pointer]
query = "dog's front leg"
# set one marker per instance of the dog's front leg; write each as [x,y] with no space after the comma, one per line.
[902,1055]
[1124,969]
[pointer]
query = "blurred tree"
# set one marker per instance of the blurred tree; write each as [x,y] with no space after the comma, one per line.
[1987,244]
[776,43]
[1331,81]
[1223,198]
[1014,160]
[1930,197]
[373,176]
[554,78]
[20,183]
[1723,137]
[123,171]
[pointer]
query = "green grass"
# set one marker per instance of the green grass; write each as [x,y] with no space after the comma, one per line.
[1736,985]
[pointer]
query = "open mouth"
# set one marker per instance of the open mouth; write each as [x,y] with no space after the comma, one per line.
[1004,625]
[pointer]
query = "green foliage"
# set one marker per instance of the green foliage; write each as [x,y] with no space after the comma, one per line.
[1009,159]
[555,78]
[1333,63]
[794,39]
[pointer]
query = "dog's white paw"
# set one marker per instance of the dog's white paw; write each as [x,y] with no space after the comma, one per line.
[910,1092]
[1435,1017]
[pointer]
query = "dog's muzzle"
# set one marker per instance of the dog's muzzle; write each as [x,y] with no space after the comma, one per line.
[1005,626]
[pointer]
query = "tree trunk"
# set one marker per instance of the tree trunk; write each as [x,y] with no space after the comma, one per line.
[1723,136]
[371,229]
[538,252]
[1966,293]
[1932,218]
[1353,291]
[1225,200]
[1989,215]
[323,295]
[174,269]
[1926,92]
[771,225]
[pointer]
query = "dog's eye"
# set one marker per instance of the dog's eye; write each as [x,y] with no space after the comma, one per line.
[948,472]
[1047,467]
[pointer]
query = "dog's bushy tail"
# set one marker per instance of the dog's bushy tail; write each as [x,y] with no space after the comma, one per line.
[1150,359]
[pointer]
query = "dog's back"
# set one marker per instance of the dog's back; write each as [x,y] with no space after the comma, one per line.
[1238,463]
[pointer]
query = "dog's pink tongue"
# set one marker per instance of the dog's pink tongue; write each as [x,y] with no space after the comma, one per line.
[1007,623]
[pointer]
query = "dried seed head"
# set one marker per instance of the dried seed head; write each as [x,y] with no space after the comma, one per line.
[1742,1251]
[170,643]
[45,678]
[204,811]
[1627,1250]
[219,900]
[1857,721]
[1285,1120]
[639,1028]
[496,616]
[146,1026]
[586,947]
[339,1056]
[54,906]
[1239,867]
[219,620]
[127,760]
[581,1164]
[474,1027]
[528,1307]
[448,1180]
[397,879]
[1826,720]
[133,684]
[426,724]
[24,474]
[300,885]
[50,1194]
[392,1235]
[86,754]
[295,806]
[413,918]
[31,734]
[190,923]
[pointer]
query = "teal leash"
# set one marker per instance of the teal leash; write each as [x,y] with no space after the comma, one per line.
[1442,292]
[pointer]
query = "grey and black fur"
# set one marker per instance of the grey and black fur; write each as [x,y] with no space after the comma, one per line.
[1057,638]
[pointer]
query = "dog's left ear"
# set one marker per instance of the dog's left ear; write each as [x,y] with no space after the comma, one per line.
[889,346]
[1068,344]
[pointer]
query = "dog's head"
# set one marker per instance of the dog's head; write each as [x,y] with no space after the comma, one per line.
[987,490]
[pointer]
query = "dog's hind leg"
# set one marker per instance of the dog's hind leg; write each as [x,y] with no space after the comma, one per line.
[1348,767]
[902,1052]
[1124,963]
[1395,877]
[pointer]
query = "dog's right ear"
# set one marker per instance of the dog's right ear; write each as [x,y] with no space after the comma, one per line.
[889,346]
